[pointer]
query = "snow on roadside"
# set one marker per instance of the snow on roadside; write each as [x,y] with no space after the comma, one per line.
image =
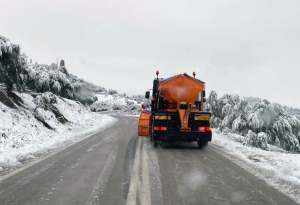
[277,167]
[104,98]
[22,137]
[119,104]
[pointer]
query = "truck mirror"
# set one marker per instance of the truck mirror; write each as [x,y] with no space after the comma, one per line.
[147,95]
[203,93]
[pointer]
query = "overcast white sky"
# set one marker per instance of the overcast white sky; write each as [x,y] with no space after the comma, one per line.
[249,47]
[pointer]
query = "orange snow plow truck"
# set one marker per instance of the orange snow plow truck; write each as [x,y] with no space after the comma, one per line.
[176,111]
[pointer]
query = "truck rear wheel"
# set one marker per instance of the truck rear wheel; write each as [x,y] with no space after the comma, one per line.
[202,144]
[155,143]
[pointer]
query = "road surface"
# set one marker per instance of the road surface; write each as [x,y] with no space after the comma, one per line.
[118,167]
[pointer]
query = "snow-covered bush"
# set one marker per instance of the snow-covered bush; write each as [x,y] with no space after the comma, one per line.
[259,140]
[100,106]
[239,125]
[282,131]
[116,102]
[215,121]
[231,112]
[117,106]
[112,92]
[45,99]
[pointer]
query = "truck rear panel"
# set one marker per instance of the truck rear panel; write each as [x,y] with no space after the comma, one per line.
[165,127]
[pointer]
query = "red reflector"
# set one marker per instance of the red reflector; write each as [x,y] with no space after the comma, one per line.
[201,129]
[208,129]
[160,128]
[205,129]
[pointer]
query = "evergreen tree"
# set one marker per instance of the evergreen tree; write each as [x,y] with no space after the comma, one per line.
[12,65]
[260,121]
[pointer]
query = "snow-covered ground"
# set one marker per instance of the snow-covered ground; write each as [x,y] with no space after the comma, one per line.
[22,137]
[120,104]
[104,98]
[277,167]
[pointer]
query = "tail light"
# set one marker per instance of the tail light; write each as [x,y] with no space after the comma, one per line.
[205,129]
[159,128]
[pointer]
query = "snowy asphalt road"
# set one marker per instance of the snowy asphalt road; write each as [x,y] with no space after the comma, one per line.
[118,167]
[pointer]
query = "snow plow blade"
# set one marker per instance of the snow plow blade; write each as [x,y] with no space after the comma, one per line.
[143,126]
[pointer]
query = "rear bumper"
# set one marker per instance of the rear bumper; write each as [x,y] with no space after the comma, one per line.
[183,136]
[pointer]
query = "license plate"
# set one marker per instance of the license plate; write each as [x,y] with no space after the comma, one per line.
[202,117]
[160,117]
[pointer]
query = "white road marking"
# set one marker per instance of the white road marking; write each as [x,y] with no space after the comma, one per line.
[103,177]
[145,172]
[136,186]
[154,175]
[131,197]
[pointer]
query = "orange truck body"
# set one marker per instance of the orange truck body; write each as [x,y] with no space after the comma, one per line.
[176,111]
[143,127]
[180,88]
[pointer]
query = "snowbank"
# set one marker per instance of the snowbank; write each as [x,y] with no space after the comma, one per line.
[277,167]
[23,137]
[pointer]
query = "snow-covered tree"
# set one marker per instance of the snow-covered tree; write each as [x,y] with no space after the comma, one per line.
[11,65]
[259,120]
[19,74]
[112,92]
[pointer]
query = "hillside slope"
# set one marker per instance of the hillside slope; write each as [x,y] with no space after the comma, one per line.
[31,126]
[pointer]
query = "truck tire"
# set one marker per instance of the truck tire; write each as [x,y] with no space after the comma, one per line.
[154,142]
[151,136]
[151,131]
[202,144]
